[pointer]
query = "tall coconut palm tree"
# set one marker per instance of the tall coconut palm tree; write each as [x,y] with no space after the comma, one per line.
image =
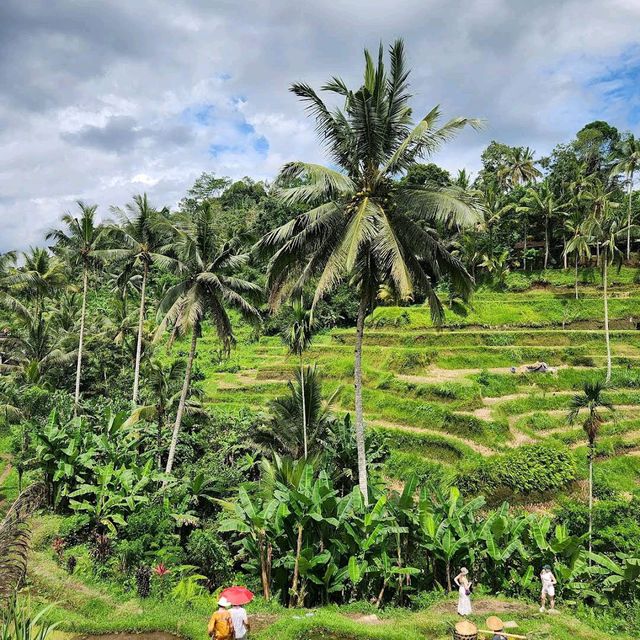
[542,202]
[364,225]
[495,207]
[142,233]
[579,244]
[627,154]
[40,276]
[519,167]
[163,383]
[35,346]
[283,434]
[604,226]
[81,241]
[208,286]
[7,263]
[590,401]
[298,338]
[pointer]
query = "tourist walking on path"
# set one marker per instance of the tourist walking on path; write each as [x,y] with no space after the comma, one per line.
[221,624]
[548,588]
[240,622]
[464,591]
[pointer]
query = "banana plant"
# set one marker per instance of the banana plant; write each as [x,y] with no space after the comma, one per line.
[65,454]
[260,522]
[627,573]
[448,527]
[116,494]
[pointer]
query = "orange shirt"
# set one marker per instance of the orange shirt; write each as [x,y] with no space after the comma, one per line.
[221,626]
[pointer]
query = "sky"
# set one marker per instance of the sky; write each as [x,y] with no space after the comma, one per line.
[103,99]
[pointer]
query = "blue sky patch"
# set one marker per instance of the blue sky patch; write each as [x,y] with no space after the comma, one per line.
[217,149]
[621,82]
[245,128]
[201,114]
[261,145]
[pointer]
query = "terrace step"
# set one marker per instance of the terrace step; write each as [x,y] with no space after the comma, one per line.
[478,448]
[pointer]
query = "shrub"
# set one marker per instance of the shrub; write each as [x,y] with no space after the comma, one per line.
[74,529]
[148,531]
[527,469]
[207,552]
[72,562]
[143,581]
[402,464]
[496,384]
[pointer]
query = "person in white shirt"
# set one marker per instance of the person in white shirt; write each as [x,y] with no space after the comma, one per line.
[548,588]
[240,622]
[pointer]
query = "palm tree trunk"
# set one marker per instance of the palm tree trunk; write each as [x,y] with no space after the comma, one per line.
[83,313]
[629,216]
[304,410]
[591,452]
[183,401]
[576,280]
[264,566]
[565,258]
[357,375]
[448,576]
[159,438]
[606,315]
[524,248]
[295,599]
[546,242]
[136,375]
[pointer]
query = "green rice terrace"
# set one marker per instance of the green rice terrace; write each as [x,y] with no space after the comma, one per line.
[446,398]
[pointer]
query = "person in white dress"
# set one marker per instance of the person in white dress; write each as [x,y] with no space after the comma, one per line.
[548,588]
[464,590]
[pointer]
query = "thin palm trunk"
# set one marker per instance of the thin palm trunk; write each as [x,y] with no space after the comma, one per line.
[183,401]
[357,375]
[565,258]
[629,216]
[576,270]
[160,427]
[304,410]
[591,452]
[265,565]
[524,248]
[606,315]
[83,313]
[546,242]
[136,375]
[295,596]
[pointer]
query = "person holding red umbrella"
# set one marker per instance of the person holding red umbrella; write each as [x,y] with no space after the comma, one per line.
[239,596]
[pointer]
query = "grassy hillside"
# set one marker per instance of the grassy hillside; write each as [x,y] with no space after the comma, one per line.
[85,604]
[446,397]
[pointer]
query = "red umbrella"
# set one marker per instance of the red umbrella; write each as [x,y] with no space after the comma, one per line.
[237,595]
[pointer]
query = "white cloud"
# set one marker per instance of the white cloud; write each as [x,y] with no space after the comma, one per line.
[102,100]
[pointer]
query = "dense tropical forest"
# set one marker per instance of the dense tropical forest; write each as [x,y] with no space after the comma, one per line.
[325,387]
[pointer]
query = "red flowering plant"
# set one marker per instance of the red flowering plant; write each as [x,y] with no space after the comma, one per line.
[58,547]
[161,572]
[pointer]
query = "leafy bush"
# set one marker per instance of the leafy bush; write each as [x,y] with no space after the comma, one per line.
[495,384]
[402,464]
[527,469]
[74,529]
[206,551]
[149,533]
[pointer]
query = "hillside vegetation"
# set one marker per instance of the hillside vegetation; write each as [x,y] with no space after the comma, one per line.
[446,399]
[340,389]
